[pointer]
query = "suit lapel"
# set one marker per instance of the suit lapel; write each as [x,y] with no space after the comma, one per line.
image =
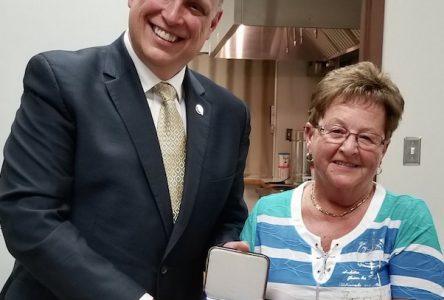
[129,99]
[126,93]
[198,111]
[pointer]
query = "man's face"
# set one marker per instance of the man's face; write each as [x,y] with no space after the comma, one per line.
[167,34]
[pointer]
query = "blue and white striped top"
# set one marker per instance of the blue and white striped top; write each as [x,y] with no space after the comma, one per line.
[393,252]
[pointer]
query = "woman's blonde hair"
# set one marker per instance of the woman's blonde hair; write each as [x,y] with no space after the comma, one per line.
[359,81]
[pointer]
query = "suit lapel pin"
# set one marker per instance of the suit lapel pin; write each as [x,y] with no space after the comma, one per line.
[199,109]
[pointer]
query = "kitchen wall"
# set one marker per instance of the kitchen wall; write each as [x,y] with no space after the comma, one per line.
[293,92]
[413,48]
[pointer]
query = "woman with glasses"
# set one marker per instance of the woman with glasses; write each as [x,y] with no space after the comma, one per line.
[342,235]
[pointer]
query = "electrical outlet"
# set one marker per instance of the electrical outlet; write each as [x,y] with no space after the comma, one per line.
[412,151]
[289,134]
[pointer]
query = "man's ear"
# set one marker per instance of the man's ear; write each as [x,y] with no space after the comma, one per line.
[214,21]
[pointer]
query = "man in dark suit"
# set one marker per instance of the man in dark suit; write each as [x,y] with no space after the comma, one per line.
[84,199]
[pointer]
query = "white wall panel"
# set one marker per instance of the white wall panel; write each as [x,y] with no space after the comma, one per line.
[32,26]
[412,54]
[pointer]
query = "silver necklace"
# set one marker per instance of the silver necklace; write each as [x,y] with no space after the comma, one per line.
[349,210]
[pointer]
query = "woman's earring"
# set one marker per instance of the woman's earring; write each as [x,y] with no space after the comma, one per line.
[309,157]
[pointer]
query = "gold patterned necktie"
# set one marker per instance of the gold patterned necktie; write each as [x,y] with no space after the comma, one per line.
[172,140]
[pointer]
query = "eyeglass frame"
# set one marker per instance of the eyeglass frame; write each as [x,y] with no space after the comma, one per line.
[322,130]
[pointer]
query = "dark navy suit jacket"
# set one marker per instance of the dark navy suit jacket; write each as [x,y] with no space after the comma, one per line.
[84,202]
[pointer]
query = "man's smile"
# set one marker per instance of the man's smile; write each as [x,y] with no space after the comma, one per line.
[164,34]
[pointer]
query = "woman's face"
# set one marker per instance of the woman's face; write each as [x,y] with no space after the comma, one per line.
[346,165]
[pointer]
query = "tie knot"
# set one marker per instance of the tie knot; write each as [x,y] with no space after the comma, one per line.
[165,90]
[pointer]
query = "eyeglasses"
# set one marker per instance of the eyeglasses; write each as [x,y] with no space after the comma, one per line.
[337,135]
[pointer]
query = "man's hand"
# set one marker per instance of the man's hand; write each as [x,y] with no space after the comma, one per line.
[241,246]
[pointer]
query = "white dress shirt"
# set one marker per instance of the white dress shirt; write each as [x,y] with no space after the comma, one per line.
[148,80]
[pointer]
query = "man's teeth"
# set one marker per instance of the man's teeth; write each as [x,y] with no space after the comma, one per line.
[165,35]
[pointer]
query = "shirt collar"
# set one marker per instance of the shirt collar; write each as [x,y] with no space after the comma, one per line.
[147,78]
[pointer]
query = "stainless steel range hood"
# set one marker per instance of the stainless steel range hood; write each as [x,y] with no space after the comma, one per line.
[314,30]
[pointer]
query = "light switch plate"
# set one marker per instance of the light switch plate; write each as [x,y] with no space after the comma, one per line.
[412,151]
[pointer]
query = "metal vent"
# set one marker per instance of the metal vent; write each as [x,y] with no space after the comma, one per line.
[283,43]
[318,30]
